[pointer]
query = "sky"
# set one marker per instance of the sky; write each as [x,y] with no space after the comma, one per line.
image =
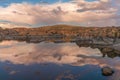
[51,12]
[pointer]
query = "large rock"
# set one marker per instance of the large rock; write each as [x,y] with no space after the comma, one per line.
[107,71]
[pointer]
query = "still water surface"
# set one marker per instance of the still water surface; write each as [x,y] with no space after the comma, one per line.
[53,61]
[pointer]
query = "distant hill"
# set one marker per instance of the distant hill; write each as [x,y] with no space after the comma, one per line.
[66,30]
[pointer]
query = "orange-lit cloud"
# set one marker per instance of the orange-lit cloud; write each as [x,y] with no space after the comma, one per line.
[98,13]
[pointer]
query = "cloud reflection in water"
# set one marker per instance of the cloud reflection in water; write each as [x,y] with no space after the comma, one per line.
[64,53]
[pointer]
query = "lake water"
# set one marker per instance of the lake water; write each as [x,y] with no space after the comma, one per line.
[54,61]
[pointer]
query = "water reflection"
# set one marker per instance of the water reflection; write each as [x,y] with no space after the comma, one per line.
[106,50]
[23,53]
[67,61]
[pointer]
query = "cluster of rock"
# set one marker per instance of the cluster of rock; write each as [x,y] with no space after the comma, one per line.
[61,33]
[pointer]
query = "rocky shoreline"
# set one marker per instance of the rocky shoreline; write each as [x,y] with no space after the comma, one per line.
[63,33]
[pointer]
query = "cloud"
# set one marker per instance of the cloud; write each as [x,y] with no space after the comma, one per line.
[13,25]
[79,11]
[95,5]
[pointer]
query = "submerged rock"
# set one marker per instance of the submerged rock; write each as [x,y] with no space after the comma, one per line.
[107,71]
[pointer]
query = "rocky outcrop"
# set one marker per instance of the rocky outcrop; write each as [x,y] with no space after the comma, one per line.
[110,52]
[107,71]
